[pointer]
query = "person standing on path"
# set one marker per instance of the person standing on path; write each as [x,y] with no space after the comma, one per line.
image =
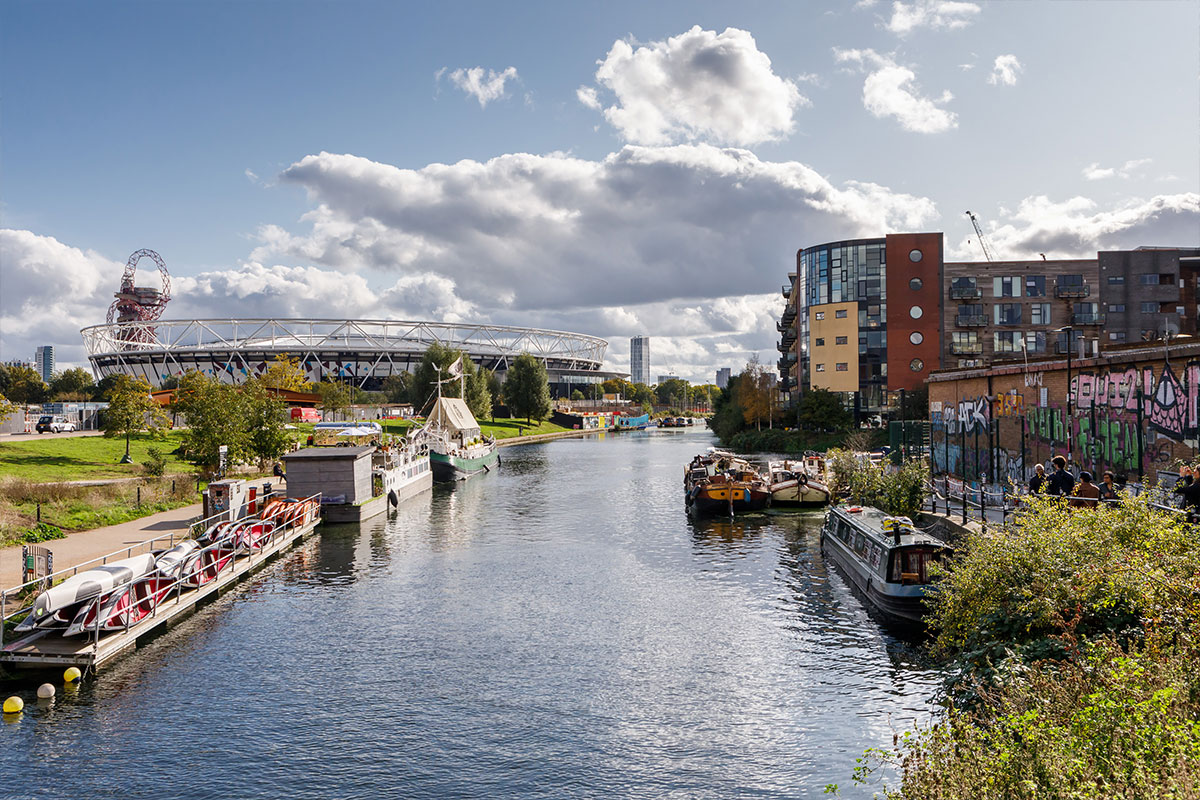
[1108,489]
[1061,483]
[1038,481]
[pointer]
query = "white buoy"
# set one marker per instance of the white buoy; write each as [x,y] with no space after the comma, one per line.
[46,691]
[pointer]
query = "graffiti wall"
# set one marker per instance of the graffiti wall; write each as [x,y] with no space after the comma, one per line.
[1133,420]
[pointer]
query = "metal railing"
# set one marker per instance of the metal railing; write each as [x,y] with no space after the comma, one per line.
[966,349]
[1087,319]
[965,293]
[193,529]
[1072,290]
[970,320]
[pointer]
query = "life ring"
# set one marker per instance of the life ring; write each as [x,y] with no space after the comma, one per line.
[802,479]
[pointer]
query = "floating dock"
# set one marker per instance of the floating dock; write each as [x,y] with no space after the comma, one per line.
[49,649]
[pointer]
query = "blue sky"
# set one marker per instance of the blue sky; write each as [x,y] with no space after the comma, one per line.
[721,138]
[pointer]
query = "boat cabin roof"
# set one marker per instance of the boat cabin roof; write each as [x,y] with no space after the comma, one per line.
[870,520]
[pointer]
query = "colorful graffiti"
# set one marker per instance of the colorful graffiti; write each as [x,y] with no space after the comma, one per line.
[1130,420]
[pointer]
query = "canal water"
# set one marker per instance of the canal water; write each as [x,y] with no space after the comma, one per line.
[559,628]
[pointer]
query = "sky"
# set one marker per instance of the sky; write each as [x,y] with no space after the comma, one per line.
[611,168]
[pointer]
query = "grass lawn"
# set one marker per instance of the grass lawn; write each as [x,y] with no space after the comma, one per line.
[85,457]
[501,428]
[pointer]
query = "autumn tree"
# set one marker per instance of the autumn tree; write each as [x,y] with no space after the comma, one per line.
[754,390]
[131,409]
[285,373]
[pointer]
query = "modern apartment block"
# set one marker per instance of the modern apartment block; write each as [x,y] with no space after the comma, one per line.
[43,359]
[1009,309]
[639,359]
[870,316]
[723,376]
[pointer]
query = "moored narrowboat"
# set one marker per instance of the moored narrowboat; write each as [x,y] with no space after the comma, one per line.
[721,483]
[885,557]
[793,485]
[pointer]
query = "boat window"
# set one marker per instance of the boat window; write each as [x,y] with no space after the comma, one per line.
[910,565]
[860,545]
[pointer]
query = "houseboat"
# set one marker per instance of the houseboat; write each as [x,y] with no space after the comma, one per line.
[722,483]
[792,484]
[457,448]
[885,557]
[401,469]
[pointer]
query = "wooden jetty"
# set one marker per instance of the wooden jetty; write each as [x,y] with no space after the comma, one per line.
[49,649]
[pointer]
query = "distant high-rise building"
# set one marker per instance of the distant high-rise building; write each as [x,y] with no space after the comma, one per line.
[43,360]
[639,359]
[723,376]
[665,378]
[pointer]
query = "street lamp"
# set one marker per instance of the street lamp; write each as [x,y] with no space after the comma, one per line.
[1069,330]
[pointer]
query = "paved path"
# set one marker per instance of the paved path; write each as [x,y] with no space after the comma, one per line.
[29,437]
[86,545]
[83,546]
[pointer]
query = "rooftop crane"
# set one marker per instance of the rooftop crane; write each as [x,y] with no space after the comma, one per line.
[987,250]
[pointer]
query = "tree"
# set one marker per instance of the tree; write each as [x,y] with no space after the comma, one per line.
[131,409]
[266,414]
[672,391]
[527,388]
[285,373]
[335,398]
[618,386]
[435,364]
[72,384]
[577,395]
[754,394]
[398,387]
[494,389]
[7,409]
[103,389]
[641,393]
[25,386]
[479,396]
[216,415]
[822,410]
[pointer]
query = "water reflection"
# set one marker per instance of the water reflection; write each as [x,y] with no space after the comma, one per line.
[559,627]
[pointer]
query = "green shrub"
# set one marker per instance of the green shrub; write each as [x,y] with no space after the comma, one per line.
[42,532]
[855,479]
[155,463]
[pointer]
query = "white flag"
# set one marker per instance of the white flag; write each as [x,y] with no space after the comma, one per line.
[456,368]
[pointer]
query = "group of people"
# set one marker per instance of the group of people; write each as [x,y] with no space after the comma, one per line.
[1083,494]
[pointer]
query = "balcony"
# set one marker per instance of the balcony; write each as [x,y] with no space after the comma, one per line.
[1072,290]
[787,292]
[966,349]
[792,277]
[789,336]
[965,293]
[1087,319]
[789,316]
[971,320]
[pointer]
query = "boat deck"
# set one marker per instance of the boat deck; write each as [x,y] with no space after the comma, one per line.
[49,649]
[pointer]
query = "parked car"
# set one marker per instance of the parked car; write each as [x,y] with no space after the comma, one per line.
[53,425]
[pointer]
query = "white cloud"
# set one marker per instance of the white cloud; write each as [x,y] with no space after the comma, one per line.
[251,176]
[935,14]
[698,86]
[587,95]
[48,292]
[1094,172]
[1005,70]
[890,90]
[483,86]
[648,224]
[1077,228]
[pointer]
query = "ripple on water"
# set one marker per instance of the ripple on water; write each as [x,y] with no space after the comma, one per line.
[558,628]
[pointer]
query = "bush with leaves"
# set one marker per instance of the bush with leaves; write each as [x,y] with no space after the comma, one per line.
[856,479]
[155,464]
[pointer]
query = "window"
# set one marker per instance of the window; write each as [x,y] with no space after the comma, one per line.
[963,287]
[1039,314]
[1116,280]
[1008,286]
[819,315]
[914,256]
[916,312]
[916,337]
[840,314]
[916,365]
[964,338]
[820,367]
[915,284]
[1117,336]
[1035,341]
[819,343]
[840,340]
[843,366]
[1035,285]
[1148,279]
[1149,308]
[1007,313]
[1007,341]
[1118,307]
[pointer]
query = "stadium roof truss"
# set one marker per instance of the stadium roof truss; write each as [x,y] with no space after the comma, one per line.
[354,350]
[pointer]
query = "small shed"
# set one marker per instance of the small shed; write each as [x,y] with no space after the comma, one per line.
[341,475]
